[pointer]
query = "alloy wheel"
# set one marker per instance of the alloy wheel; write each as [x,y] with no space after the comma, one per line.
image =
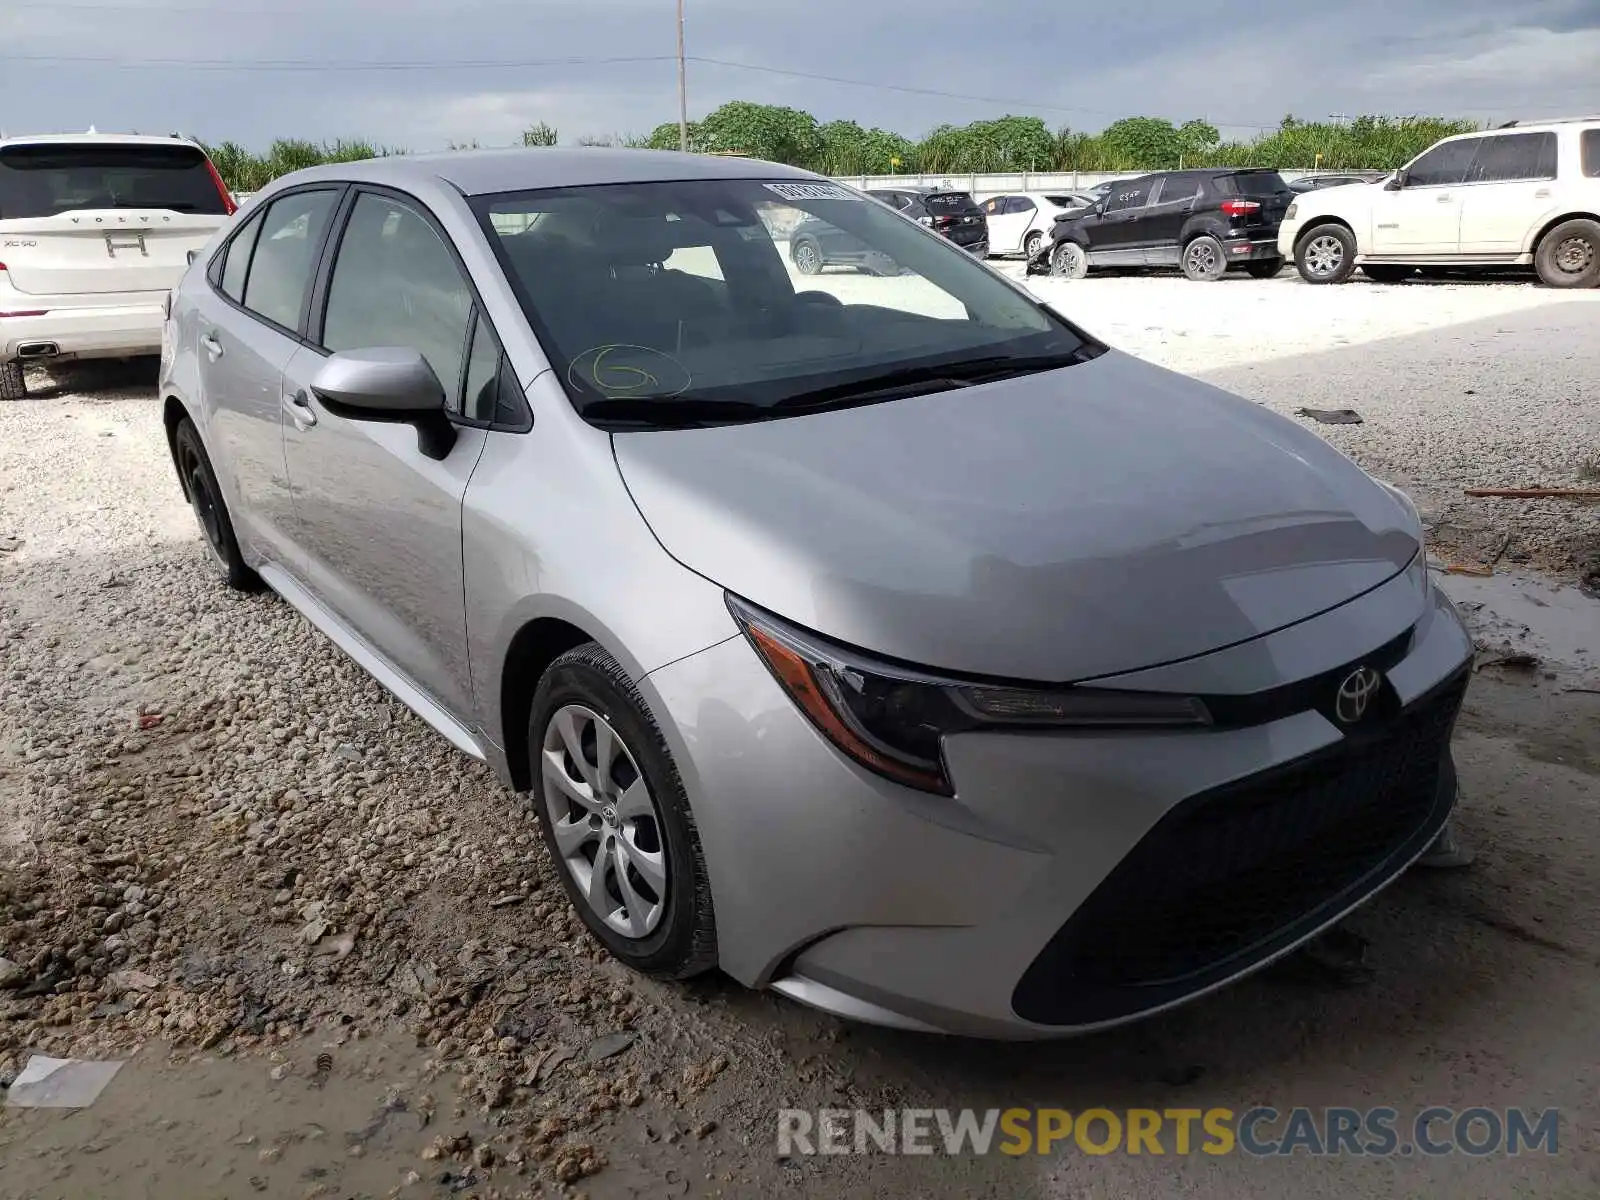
[1324,255]
[1202,257]
[606,826]
[807,259]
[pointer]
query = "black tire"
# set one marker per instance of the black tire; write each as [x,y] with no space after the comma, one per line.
[1068,261]
[13,384]
[1264,268]
[1569,255]
[1204,260]
[1388,272]
[1326,254]
[1031,244]
[210,511]
[806,255]
[683,941]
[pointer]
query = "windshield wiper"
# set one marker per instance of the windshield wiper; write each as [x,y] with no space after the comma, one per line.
[670,412]
[913,381]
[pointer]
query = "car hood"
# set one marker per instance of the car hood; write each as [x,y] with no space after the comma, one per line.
[1055,527]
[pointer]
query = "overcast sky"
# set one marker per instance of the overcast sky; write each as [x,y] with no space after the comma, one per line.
[420,75]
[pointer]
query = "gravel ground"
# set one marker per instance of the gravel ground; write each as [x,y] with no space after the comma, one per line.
[342,966]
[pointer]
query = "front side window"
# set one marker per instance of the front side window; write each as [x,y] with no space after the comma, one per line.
[395,283]
[285,256]
[650,299]
[1132,194]
[1509,157]
[1446,164]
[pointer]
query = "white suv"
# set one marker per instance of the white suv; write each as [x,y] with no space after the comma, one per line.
[94,231]
[1519,195]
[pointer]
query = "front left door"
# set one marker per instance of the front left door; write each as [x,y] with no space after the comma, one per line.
[378,522]
[1423,217]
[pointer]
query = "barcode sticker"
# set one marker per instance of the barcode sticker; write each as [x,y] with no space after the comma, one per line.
[811,191]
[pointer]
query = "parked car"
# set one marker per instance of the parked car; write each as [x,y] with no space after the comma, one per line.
[1315,183]
[815,244]
[1204,221]
[1521,195]
[1020,222]
[843,643]
[94,230]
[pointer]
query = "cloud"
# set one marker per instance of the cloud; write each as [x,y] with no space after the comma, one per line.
[1083,67]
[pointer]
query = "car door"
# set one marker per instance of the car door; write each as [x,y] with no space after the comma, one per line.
[1115,235]
[1008,221]
[378,521]
[1171,202]
[248,330]
[1423,215]
[1508,192]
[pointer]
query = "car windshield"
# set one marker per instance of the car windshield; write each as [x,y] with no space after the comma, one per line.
[672,303]
[46,179]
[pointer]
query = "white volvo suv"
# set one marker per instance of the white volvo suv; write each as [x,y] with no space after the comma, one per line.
[1519,195]
[95,229]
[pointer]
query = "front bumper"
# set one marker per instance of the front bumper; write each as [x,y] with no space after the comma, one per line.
[83,331]
[1251,249]
[1044,898]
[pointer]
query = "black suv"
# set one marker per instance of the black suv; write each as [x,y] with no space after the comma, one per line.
[1203,221]
[815,244]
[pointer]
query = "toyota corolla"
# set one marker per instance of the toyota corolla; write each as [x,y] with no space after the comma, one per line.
[882,639]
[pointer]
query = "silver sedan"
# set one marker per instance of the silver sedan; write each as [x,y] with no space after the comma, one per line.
[879,637]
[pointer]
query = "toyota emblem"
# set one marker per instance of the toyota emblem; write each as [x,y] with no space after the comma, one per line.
[1355,695]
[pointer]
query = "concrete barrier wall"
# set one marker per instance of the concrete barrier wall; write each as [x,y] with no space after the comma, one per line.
[1027,181]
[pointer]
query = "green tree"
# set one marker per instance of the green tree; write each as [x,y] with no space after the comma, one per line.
[848,149]
[540,135]
[1142,143]
[768,131]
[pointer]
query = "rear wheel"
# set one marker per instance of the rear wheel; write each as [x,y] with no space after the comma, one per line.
[1387,272]
[615,818]
[13,386]
[1031,244]
[1569,255]
[1264,268]
[807,256]
[1068,261]
[1326,254]
[210,512]
[1204,259]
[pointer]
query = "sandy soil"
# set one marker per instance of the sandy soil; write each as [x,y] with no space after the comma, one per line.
[337,963]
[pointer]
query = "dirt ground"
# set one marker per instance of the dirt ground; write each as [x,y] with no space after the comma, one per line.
[336,963]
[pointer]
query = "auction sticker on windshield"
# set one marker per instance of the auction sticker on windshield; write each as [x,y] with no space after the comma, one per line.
[811,191]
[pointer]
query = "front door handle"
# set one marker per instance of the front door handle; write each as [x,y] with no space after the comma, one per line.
[212,347]
[1444,199]
[298,406]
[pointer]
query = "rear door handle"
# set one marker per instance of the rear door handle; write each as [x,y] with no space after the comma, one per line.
[298,406]
[1444,199]
[1542,194]
[212,347]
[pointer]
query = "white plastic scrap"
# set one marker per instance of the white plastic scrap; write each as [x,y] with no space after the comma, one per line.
[60,1082]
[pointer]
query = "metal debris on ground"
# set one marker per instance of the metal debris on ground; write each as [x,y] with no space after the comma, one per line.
[1536,493]
[1332,416]
[1517,660]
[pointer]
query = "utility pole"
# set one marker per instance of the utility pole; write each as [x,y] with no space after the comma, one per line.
[683,89]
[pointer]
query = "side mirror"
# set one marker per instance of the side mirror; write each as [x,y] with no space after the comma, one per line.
[193,254]
[1395,182]
[393,384]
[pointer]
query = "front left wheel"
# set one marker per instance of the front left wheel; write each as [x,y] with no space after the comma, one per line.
[616,820]
[210,511]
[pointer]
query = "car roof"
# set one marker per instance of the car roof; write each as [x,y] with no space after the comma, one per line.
[95,139]
[483,172]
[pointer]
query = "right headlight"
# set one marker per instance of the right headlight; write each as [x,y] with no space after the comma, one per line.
[1294,207]
[893,720]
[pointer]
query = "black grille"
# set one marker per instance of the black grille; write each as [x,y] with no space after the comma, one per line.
[1230,875]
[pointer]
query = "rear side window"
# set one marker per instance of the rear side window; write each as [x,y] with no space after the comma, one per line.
[1019,204]
[1444,165]
[285,256]
[1590,144]
[395,283]
[237,261]
[1178,190]
[1507,157]
[47,180]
